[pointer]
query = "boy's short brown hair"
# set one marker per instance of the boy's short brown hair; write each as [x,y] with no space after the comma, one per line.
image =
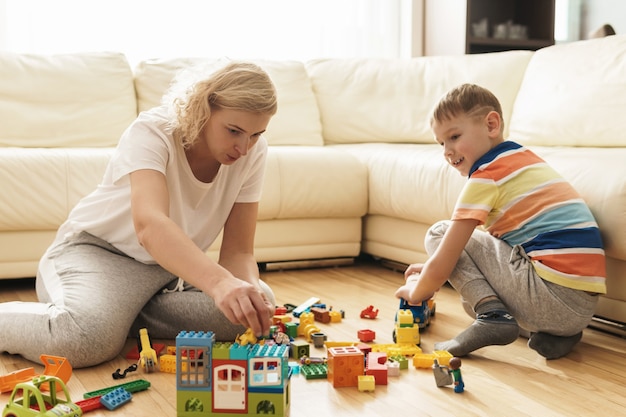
[467,99]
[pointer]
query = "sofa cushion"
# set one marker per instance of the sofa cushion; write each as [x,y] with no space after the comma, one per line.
[297,121]
[408,181]
[386,100]
[41,186]
[70,100]
[573,94]
[304,182]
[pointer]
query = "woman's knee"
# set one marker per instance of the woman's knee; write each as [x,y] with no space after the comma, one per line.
[268,292]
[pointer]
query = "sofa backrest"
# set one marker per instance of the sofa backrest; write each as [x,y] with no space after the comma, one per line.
[390,100]
[573,94]
[70,100]
[297,121]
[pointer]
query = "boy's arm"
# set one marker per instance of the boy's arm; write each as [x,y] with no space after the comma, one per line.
[439,266]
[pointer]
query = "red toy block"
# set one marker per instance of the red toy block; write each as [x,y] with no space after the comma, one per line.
[376,366]
[366,335]
[369,313]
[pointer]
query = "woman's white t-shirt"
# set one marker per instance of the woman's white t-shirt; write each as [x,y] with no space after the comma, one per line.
[199,209]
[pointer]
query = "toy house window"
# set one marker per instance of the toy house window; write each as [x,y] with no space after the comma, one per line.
[193,371]
[265,372]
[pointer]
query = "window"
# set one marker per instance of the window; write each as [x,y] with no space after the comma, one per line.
[239,29]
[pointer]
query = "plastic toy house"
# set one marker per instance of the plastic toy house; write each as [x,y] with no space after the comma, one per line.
[226,379]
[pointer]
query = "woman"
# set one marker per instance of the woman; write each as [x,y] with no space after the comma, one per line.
[132,253]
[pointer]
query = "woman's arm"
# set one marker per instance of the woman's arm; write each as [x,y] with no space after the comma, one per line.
[237,249]
[435,272]
[241,301]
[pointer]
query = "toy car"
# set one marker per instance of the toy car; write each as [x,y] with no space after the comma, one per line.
[27,400]
[422,312]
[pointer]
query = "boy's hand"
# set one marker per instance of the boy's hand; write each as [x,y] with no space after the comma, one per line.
[413,269]
[408,289]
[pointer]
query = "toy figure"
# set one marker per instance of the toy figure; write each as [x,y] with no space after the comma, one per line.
[455,370]
[449,375]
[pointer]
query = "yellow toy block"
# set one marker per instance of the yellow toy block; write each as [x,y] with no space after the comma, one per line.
[405,318]
[366,383]
[167,363]
[335,316]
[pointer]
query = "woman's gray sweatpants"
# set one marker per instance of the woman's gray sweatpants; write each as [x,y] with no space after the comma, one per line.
[491,267]
[92,297]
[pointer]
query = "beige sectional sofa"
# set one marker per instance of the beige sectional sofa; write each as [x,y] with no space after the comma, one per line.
[352,166]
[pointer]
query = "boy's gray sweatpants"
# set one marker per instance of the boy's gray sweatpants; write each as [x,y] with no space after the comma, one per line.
[92,297]
[489,266]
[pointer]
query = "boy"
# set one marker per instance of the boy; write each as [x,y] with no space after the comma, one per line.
[538,264]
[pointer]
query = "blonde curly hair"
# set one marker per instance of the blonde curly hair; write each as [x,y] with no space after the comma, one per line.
[242,86]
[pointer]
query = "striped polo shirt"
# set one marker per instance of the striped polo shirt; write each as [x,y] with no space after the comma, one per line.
[519,198]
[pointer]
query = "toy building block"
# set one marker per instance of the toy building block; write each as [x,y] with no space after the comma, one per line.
[147,355]
[321,315]
[366,335]
[305,306]
[90,404]
[132,387]
[335,316]
[441,374]
[56,366]
[393,368]
[366,383]
[365,348]
[401,360]
[10,380]
[249,380]
[423,360]
[167,364]
[291,329]
[247,337]
[299,348]
[397,349]
[443,357]
[376,367]
[333,343]
[318,339]
[345,364]
[369,312]
[133,353]
[116,398]
[314,371]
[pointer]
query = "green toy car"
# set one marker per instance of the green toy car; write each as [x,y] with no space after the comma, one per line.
[27,400]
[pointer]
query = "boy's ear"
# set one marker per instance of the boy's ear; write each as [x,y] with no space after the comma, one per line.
[494,122]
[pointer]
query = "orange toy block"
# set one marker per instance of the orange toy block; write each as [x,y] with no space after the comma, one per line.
[345,364]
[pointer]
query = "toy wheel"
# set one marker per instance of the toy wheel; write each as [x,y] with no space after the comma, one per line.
[394,336]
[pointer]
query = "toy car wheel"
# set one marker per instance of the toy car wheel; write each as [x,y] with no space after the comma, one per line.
[394,336]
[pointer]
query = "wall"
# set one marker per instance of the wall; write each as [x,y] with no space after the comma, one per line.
[595,13]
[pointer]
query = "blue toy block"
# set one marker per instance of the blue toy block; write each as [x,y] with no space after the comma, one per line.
[115,398]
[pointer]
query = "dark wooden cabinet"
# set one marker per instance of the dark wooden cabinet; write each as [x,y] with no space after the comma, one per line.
[536,16]
[449,25]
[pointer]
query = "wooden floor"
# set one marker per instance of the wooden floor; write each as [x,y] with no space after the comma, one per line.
[499,381]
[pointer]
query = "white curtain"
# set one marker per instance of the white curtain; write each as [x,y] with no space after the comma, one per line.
[239,29]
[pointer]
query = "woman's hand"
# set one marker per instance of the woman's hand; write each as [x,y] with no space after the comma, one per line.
[245,304]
